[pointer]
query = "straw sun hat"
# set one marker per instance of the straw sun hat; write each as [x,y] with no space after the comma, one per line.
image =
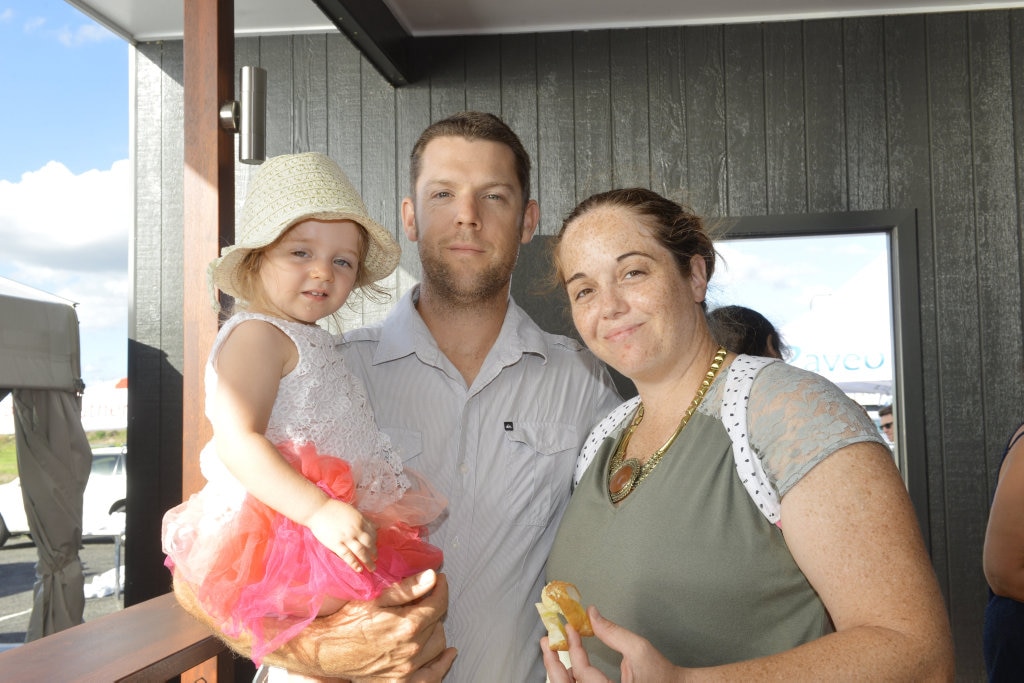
[294,187]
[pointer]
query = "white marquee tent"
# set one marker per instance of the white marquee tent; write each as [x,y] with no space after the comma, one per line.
[40,365]
[847,336]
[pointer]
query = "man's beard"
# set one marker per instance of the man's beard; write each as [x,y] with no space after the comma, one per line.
[453,288]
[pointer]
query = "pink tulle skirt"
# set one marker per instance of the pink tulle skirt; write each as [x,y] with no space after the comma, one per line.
[257,571]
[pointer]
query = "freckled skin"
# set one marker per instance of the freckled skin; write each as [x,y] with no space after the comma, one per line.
[629,300]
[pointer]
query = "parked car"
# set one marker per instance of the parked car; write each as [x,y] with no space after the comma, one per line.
[103,503]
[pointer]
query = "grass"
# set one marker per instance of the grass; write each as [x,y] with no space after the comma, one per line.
[9,461]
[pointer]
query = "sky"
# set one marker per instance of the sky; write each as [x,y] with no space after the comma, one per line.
[65,199]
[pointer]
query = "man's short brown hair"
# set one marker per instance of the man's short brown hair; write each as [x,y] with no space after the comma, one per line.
[473,125]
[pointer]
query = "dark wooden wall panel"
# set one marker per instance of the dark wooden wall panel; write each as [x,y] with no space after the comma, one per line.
[555,162]
[867,172]
[483,74]
[156,344]
[413,115]
[378,154]
[666,86]
[277,50]
[591,92]
[909,130]
[309,96]
[146,364]
[1015,356]
[344,116]
[630,115]
[825,106]
[921,112]
[958,299]
[707,140]
[745,120]
[996,211]
[785,140]
[149,583]
[518,90]
[447,76]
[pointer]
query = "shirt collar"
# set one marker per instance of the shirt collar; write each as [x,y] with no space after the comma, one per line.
[404,332]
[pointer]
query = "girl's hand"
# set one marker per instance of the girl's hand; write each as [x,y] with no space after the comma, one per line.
[641,663]
[346,533]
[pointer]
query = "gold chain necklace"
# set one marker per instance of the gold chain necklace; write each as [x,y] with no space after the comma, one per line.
[625,475]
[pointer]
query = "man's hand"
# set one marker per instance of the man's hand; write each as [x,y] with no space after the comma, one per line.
[391,637]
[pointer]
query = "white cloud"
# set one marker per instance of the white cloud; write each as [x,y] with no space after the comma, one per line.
[68,235]
[68,36]
[55,219]
[82,35]
[6,15]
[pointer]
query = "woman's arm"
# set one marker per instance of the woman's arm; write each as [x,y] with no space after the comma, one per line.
[850,526]
[1004,537]
[852,530]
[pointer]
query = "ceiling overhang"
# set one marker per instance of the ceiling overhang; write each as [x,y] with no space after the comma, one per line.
[385,30]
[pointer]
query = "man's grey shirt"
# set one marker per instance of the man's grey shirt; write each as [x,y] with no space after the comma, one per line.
[503,452]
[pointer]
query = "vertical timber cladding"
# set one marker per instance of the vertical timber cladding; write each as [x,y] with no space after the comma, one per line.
[914,112]
[155,345]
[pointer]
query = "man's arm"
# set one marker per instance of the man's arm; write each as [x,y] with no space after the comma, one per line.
[392,636]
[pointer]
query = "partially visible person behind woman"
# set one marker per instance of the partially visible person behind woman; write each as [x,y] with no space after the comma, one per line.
[1004,568]
[743,330]
[660,533]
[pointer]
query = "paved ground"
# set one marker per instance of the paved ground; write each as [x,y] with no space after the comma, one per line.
[17,576]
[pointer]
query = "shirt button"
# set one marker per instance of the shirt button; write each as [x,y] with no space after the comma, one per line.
[455,542]
[464,468]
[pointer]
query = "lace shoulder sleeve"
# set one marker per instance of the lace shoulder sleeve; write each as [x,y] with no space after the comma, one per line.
[797,419]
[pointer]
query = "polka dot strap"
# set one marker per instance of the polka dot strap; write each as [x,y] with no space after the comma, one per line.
[734,417]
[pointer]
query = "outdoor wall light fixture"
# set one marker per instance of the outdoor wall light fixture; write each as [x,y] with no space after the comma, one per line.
[249,117]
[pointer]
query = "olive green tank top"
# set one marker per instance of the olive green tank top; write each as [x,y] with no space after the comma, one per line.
[687,560]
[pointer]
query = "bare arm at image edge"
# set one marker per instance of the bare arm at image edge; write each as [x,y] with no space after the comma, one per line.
[1004,537]
[394,636]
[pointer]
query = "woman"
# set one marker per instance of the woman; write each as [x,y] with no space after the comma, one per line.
[1004,568]
[660,532]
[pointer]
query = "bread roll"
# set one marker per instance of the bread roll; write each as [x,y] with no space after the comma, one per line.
[561,600]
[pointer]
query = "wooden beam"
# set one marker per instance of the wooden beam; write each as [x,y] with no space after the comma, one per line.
[375,32]
[209,199]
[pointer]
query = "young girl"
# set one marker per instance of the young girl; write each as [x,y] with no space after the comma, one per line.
[306,505]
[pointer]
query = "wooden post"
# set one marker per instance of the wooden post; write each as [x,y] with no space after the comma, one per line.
[209,201]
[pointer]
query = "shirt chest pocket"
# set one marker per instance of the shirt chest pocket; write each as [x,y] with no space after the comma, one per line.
[538,463]
[406,443]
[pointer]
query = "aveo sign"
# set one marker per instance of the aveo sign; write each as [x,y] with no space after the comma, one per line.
[867,371]
[874,363]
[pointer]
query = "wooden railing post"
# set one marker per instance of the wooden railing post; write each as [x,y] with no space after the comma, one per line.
[209,199]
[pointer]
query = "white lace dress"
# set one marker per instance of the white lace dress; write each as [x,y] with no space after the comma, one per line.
[257,571]
[322,403]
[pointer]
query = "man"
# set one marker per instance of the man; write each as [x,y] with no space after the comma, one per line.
[886,421]
[490,408]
